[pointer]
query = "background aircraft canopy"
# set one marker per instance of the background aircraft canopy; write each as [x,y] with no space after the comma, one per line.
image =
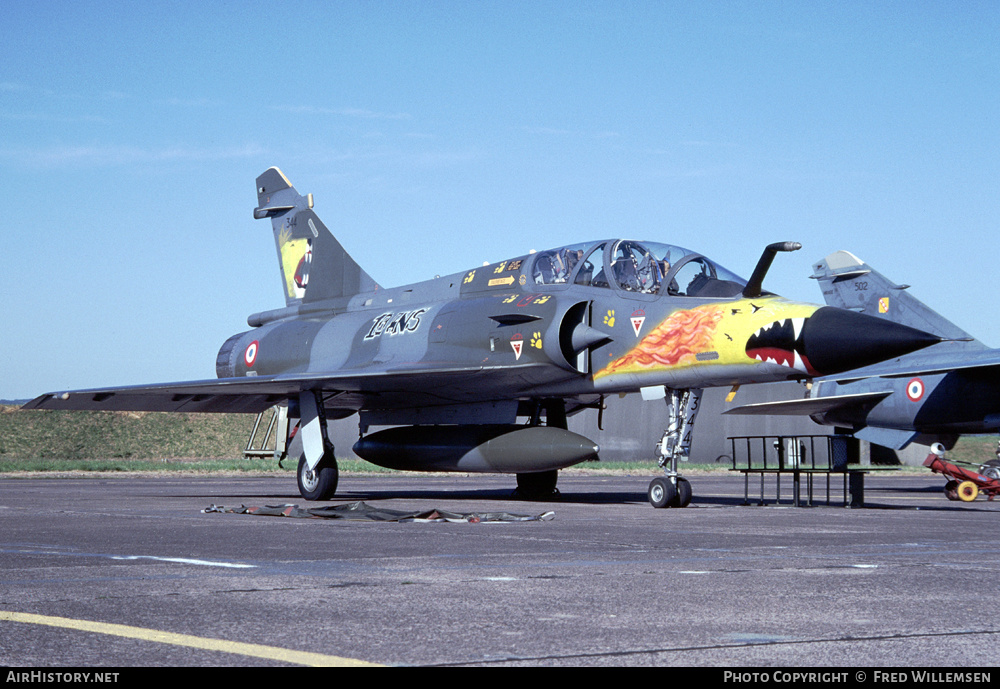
[633,266]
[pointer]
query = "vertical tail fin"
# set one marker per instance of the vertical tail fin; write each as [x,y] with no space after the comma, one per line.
[850,283]
[314,266]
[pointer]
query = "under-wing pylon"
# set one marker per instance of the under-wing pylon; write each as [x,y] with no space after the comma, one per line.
[477,371]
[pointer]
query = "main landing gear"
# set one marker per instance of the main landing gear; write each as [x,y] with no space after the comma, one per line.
[672,489]
[991,469]
[541,485]
[317,472]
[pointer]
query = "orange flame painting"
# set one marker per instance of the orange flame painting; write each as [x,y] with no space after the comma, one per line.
[673,342]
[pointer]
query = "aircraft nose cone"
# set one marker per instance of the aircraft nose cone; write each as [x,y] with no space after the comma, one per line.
[834,340]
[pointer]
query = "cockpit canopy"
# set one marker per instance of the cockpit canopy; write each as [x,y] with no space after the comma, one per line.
[632,266]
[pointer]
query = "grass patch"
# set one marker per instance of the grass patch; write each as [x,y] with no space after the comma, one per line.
[113,465]
[86,435]
[974,449]
[121,442]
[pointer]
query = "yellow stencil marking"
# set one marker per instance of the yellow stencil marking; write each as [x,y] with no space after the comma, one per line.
[283,655]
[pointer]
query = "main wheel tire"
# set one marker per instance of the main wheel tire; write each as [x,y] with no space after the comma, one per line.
[662,492]
[537,486]
[321,483]
[967,491]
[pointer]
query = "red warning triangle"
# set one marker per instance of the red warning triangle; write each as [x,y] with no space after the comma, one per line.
[638,318]
[516,346]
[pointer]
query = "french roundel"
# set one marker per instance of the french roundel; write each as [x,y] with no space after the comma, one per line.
[250,355]
[915,390]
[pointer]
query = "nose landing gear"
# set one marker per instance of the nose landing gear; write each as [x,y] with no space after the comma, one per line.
[672,489]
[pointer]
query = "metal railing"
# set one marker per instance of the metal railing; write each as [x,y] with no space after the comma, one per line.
[797,455]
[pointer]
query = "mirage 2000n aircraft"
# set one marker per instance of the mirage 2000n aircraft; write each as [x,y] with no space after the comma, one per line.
[477,371]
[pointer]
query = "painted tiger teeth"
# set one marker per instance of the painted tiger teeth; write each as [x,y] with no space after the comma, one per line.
[797,324]
[798,364]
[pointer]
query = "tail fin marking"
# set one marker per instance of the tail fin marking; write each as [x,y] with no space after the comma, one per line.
[850,283]
[314,266]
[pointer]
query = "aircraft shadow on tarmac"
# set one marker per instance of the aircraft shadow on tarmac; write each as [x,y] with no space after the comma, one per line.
[574,495]
[439,495]
[456,494]
[445,498]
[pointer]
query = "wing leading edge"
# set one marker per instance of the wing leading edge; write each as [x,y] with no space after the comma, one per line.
[348,390]
[809,406]
[224,395]
[938,359]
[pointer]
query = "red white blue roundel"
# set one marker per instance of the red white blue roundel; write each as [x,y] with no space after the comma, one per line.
[250,355]
[915,390]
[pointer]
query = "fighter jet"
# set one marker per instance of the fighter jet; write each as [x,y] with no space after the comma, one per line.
[930,396]
[477,371]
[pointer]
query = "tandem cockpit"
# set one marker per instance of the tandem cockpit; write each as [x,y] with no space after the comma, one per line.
[639,267]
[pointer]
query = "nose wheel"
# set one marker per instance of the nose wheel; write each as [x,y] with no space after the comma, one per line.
[671,489]
[666,491]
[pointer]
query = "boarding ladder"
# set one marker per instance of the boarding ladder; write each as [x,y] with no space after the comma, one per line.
[274,443]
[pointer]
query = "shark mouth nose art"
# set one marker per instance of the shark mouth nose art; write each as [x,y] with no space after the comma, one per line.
[780,343]
[833,340]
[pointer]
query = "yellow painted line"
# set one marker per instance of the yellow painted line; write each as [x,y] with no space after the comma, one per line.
[283,655]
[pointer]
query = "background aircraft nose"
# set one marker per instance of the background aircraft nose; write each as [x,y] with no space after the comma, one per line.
[835,340]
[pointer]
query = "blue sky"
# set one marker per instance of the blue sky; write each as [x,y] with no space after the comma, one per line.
[438,135]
